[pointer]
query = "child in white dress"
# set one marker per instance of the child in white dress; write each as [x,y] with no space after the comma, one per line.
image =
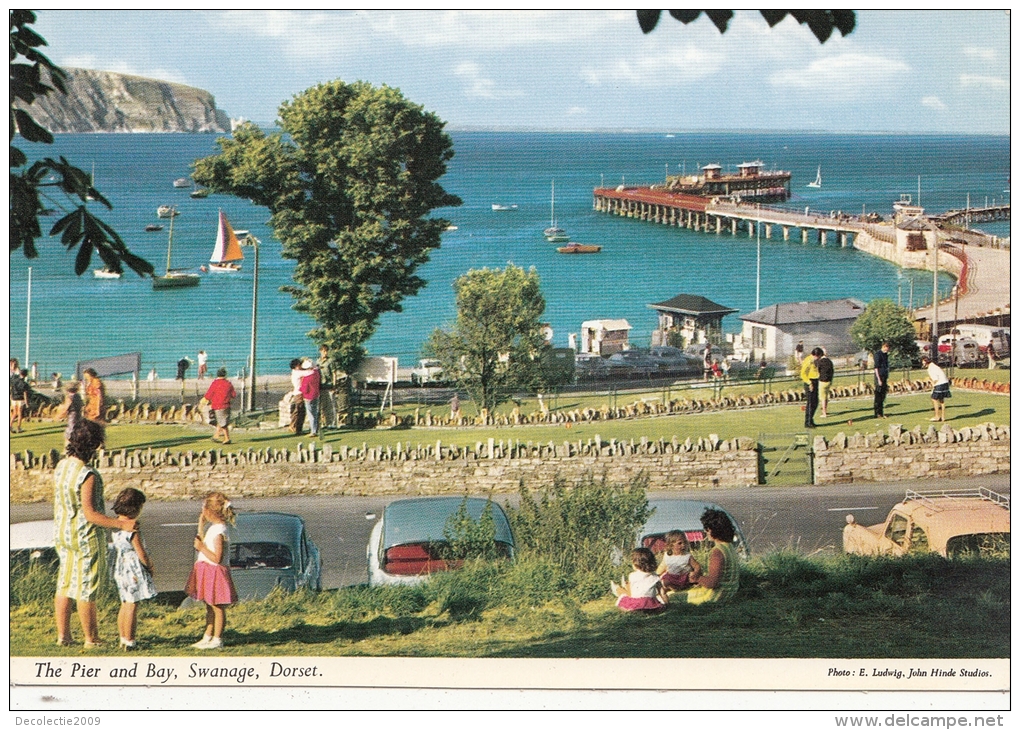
[643,589]
[678,567]
[133,569]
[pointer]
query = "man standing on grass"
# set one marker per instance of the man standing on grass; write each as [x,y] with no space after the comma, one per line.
[220,393]
[809,375]
[825,374]
[881,379]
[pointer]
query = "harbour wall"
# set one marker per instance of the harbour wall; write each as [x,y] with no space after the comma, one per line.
[500,467]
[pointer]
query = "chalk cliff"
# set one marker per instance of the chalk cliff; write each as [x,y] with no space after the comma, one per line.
[102,101]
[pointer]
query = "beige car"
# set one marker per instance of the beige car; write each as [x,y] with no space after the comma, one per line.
[947,522]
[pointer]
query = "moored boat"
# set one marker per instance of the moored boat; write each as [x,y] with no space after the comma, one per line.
[153,227]
[173,279]
[166,211]
[227,251]
[579,248]
[497,206]
[554,234]
[182,182]
[200,193]
[106,273]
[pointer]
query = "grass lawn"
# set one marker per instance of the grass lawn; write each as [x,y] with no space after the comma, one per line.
[788,606]
[965,408]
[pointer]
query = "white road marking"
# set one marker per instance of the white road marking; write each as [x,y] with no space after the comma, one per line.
[844,509]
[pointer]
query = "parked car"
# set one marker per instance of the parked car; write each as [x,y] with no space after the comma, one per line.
[406,544]
[428,371]
[683,515]
[945,522]
[672,360]
[32,541]
[967,351]
[631,363]
[983,333]
[270,549]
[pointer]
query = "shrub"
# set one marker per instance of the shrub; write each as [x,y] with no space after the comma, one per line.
[467,537]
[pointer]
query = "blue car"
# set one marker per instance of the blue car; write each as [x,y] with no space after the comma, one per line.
[270,549]
[406,544]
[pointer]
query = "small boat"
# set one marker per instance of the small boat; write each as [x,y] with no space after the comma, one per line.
[152,227]
[818,179]
[451,227]
[105,273]
[200,193]
[227,251]
[554,234]
[579,248]
[173,279]
[182,182]
[497,206]
[166,211]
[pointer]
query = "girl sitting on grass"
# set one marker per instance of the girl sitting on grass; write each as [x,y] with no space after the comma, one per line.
[643,589]
[678,568]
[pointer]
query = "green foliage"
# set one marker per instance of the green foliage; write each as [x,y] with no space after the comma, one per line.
[494,348]
[820,22]
[579,528]
[34,77]
[349,183]
[884,321]
[32,582]
[467,537]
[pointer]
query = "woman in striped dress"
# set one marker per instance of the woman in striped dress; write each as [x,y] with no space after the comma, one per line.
[78,521]
[722,580]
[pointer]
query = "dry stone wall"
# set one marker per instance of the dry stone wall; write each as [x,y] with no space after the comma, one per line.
[915,454]
[492,466]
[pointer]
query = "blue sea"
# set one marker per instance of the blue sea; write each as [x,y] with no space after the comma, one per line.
[77,318]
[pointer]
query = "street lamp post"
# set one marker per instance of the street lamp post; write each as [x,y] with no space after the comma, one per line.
[757,281]
[254,242]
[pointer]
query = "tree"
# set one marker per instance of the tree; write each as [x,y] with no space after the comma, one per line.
[883,321]
[494,347]
[349,183]
[47,177]
[821,22]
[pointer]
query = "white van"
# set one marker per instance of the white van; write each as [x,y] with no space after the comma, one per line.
[983,333]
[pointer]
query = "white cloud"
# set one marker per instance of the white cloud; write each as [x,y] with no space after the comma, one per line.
[933,102]
[479,85]
[670,67]
[982,54]
[577,111]
[89,61]
[842,73]
[991,82]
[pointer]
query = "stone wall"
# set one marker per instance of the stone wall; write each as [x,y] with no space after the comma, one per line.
[495,466]
[916,454]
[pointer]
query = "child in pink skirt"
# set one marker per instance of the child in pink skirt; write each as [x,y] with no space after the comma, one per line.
[210,580]
[643,590]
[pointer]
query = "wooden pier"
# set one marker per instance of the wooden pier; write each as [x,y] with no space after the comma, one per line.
[714,215]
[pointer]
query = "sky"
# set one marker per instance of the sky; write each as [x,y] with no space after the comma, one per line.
[926,71]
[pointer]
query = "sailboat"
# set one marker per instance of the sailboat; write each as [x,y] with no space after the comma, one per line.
[227,251]
[818,179]
[173,279]
[554,234]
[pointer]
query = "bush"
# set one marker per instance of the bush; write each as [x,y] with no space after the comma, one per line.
[576,529]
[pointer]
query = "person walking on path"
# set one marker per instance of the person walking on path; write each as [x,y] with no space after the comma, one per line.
[203,364]
[210,580]
[991,355]
[940,388]
[133,569]
[79,533]
[881,379]
[220,393]
[809,375]
[95,396]
[19,399]
[826,371]
[310,385]
[182,368]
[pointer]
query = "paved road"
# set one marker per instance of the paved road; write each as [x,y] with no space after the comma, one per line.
[806,519]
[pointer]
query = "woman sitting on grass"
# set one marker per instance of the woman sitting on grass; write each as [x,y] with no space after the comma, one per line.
[721,581]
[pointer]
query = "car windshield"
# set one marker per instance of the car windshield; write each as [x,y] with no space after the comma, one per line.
[247,555]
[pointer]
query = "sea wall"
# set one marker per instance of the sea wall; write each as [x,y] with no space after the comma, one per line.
[896,454]
[492,466]
[887,249]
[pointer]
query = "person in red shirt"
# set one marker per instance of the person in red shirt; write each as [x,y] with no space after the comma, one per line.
[219,395]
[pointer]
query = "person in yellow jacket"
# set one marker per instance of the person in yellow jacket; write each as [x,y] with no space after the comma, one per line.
[809,374]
